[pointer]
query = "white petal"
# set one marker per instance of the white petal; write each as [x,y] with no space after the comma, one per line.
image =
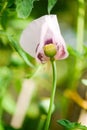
[49,30]
[31,36]
[54,26]
[38,31]
[53,23]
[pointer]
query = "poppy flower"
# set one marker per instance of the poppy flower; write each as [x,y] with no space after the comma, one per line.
[43,36]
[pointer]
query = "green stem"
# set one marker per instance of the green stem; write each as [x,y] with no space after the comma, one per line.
[41,122]
[80,25]
[80,41]
[52,95]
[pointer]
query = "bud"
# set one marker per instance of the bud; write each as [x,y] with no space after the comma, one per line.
[50,50]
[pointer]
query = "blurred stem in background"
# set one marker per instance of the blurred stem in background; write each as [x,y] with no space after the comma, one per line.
[80,25]
[80,40]
[80,37]
[79,65]
[42,121]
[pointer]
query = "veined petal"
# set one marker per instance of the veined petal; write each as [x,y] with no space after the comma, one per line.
[61,53]
[34,33]
[47,35]
[30,37]
[40,32]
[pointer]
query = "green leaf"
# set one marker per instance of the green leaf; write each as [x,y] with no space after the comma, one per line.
[20,51]
[17,47]
[10,3]
[4,18]
[24,8]
[67,124]
[51,4]
[73,52]
[84,81]
[71,125]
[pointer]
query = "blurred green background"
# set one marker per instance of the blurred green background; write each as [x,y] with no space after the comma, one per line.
[16,66]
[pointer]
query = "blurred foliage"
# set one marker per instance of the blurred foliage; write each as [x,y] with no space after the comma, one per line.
[51,4]
[5,78]
[16,65]
[71,125]
[24,7]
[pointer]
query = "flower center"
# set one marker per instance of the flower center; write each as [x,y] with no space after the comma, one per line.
[50,50]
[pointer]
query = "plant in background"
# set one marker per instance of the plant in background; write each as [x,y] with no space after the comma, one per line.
[71,125]
[42,39]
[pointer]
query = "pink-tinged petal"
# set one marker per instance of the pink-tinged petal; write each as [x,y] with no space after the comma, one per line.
[31,36]
[61,50]
[42,58]
[62,53]
[40,32]
[48,33]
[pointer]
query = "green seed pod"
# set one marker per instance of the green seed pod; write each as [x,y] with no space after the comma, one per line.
[50,50]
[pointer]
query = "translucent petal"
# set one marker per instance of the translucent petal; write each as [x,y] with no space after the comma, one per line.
[35,33]
[30,37]
[50,30]
[40,32]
